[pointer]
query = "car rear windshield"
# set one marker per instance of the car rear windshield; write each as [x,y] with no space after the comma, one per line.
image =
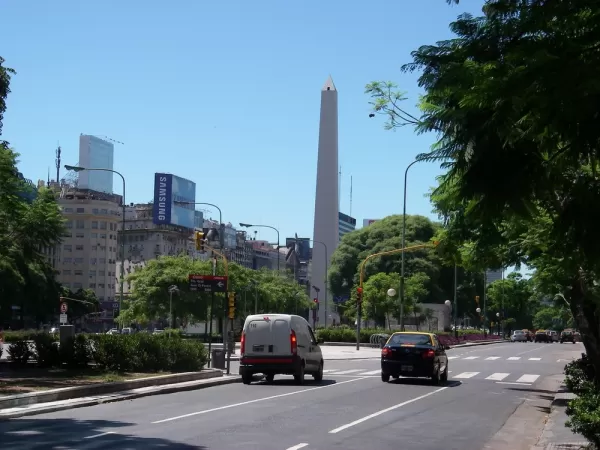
[519,332]
[413,339]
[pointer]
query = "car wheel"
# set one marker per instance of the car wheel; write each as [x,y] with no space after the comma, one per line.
[444,376]
[435,378]
[385,377]
[247,378]
[318,376]
[270,377]
[299,375]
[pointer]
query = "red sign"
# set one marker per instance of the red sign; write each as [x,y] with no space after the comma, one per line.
[63,308]
[207,283]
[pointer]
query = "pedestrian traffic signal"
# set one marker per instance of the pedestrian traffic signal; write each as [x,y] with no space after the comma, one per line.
[199,241]
[359,294]
[231,305]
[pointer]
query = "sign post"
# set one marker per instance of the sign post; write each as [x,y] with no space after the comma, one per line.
[207,283]
[63,319]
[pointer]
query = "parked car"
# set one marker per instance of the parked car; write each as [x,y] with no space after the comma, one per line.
[554,336]
[541,336]
[567,336]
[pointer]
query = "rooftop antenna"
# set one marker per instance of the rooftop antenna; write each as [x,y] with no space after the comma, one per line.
[350,196]
[57,162]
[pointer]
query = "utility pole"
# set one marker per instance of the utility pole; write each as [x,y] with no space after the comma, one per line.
[212,306]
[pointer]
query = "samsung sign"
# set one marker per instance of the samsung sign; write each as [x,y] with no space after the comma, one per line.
[163,198]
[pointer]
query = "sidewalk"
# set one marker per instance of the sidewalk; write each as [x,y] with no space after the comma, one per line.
[556,435]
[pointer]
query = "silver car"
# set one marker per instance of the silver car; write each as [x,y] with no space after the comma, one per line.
[518,336]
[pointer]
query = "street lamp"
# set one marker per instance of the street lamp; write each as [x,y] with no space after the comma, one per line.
[248,225]
[401,296]
[221,225]
[448,304]
[478,311]
[122,271]
[172,289]
[498,316]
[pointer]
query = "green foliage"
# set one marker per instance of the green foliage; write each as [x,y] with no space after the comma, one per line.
[20,352]
[584,411]
[347,334]
[513,297]
[377,305]
[46,351]
[25,335]
[5,74]
[522,183]
[150,297]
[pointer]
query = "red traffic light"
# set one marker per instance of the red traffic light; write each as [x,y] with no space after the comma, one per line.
[359,290]
[316,300]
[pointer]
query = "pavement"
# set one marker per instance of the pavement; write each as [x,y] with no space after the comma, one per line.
[498,397]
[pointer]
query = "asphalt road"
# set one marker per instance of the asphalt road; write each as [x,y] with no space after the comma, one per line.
[351,409]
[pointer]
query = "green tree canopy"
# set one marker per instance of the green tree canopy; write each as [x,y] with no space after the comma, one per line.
[150,298]
[514,99]
[513,298]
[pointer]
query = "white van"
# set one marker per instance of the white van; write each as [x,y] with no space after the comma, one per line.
[274,344]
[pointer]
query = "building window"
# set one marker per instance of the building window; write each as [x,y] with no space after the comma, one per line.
[78,260]
[103,236]
[77,286]
[80,210]
[102,260]
[68,210]
[94,224]
[79,235]
[101,285]
[93,261]
[103,225]
[80,224]
[66,272]
[68,248]
[94,248]
[79,247]
[79,272]
[104,211]
[92,285]
[92,273]
[94,235]
[69,224]
[67,260]
[95,211]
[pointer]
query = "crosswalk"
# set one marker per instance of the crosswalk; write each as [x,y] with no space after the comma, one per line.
[493,358]
[501,377]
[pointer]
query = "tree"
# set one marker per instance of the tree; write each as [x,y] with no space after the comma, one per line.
[513,298]
[5,75]
[150,298]
[377,304]
[514,98]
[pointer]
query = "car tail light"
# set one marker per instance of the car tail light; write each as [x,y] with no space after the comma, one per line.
[293,342]
[429,354]
[385,352]
[243,344]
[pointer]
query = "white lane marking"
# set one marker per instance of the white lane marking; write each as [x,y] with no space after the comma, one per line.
[329,370]
[492,358]
[452,357]
[535,359]
[514,358]
[262,399]
[471,357]
[372,372]
[465,375]
[512,382]
[297,447]
[532,350]
[100,435]
[383,411]
[528,378]
[497,376]
[344,372]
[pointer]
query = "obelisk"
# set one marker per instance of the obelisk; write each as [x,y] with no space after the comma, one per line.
[326,229]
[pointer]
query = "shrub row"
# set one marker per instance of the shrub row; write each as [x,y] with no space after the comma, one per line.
[584,411]
[347,334]
[24,335]
[123,353]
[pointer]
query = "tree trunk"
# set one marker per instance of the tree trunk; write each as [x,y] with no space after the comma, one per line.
[586,319]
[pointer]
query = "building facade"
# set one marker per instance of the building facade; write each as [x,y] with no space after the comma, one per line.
[346,224]
[96,153]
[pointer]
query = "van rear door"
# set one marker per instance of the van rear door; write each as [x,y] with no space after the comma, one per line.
[268,337]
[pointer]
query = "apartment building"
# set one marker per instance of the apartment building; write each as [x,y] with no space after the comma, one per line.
[86,258]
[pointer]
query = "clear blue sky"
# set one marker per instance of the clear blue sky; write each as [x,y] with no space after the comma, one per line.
[225,93]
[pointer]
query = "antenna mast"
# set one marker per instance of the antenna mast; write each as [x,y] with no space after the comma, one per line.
[57,162]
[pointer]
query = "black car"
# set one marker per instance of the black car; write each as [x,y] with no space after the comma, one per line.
[542,336]
[414,354]
[567,336]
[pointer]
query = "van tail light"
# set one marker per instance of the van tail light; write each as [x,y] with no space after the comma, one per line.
[293,342]
[386,352]
[243,344]
[429,354]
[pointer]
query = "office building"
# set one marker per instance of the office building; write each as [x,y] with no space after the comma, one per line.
[96,153]
[346,225]
[326,222]
[493,275]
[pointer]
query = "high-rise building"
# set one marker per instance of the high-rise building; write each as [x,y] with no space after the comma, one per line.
[96,153]
[346,224]
[326,224]
[493,275]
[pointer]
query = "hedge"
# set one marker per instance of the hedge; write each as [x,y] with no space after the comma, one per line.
[347,334]
[584,411]
[139,352]
[25,335]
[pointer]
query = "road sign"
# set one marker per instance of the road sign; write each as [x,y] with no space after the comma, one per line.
[208,283]
[63,318]
[63,308]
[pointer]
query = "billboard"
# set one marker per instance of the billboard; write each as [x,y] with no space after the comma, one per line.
[169,189]
[367,222]
[302,248]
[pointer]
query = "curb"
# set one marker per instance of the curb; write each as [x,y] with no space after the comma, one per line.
[98,401]
[563,397]
[71,393]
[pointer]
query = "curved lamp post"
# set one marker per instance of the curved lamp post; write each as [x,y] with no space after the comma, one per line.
[122,271]
[221,225]
[249,225]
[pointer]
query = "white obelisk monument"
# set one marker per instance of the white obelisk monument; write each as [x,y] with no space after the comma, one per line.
[326,228]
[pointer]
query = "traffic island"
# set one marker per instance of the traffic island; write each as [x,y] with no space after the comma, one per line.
[12,406]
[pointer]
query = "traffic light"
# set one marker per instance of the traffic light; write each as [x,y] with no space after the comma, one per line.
[231,305]
[477,299]
[359,294]
[199,240]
